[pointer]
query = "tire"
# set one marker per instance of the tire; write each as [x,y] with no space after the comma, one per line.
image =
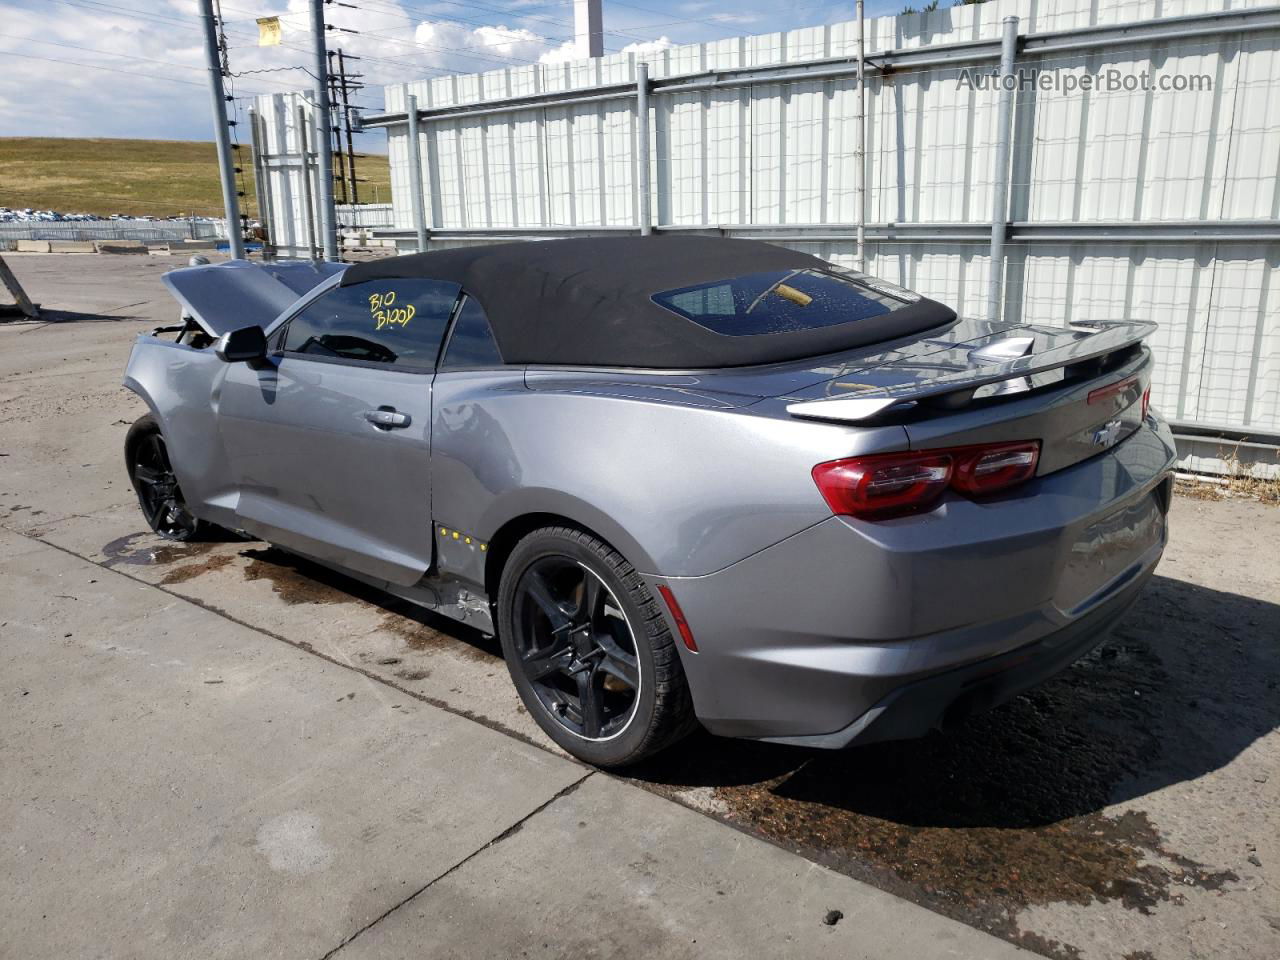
[159,497]
[568,654]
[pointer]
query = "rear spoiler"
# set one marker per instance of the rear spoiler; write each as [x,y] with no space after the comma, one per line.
[1108,338]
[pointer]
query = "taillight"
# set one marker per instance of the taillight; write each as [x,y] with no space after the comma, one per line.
[885,484]
[894,484]
[988,469]
[1146,403]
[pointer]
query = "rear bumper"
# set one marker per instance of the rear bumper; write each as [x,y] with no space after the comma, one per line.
[852,632]
[943,700]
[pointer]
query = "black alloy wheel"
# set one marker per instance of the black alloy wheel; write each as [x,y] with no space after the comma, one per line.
[153,479]
[576,647]
[589,648]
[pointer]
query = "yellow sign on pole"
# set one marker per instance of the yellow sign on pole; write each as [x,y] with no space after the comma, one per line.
[268,31]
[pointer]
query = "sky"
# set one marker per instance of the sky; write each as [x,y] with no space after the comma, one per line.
[135,68]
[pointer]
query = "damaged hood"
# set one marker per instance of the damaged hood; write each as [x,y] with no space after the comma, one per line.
[222,297]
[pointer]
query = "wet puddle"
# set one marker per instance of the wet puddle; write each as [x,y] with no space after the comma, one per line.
[295,580]
[143,550]
[192,570]
[1005,812]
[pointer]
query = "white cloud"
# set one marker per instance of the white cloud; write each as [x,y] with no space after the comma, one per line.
[646,47]
[572,50]
[67,73]
[569,50]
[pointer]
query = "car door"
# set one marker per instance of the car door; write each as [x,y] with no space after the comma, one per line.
[329,439]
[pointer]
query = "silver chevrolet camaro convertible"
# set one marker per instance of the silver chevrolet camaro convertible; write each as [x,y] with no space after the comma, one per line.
[684,479]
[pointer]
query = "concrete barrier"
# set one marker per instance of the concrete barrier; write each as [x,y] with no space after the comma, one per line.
[180,245]
[120,246]
[33,246]
[158,249]
[71,246]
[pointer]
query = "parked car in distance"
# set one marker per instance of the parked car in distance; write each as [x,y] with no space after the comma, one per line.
[683,479]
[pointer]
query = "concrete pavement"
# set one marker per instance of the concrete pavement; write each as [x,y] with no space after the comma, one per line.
[178,784]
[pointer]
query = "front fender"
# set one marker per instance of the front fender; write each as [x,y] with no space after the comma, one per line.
[179,383]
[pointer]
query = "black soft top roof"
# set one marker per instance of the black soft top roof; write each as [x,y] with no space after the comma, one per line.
[586,301]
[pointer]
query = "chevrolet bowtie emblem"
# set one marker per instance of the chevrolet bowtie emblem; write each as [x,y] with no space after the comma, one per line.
[1107,434]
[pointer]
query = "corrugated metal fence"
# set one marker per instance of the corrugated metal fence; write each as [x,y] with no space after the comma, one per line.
[1154,194]
[364,215]
[112,230]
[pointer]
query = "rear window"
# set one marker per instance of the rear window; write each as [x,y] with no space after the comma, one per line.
[781,301]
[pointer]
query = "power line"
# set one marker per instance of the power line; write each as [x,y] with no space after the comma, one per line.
[136,14]
[524,36]
[142,16]
[94,66]
[130,56]
[430,17]
[499,58]
[425,16]
[245,73]
[514,37]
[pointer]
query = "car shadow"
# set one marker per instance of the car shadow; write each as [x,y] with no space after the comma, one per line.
[296,579]
[1184,684]
[48,316]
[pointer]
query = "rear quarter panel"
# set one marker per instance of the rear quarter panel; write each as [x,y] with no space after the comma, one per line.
[682,484]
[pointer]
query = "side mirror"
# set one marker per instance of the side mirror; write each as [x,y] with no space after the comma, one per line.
[246,345]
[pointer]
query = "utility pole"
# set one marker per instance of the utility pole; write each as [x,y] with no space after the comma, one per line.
[324,121]
[221,131]
[346,119]
[335,131]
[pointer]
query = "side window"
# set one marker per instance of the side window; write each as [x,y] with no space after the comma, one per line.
[396,322]
[472,343]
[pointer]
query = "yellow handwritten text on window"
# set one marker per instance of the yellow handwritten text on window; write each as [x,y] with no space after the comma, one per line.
[386,314]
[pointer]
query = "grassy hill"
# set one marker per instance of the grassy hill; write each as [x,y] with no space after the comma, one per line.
[137,177]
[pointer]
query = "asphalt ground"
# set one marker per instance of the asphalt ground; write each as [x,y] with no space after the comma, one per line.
[1125,809]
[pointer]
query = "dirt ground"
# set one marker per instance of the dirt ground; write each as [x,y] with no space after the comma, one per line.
[1126,809]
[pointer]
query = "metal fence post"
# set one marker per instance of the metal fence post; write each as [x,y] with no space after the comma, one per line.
[1000,178]
[307,183]
[415,172]
[324,124]
[644,202]
[861,180]
[261,189]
